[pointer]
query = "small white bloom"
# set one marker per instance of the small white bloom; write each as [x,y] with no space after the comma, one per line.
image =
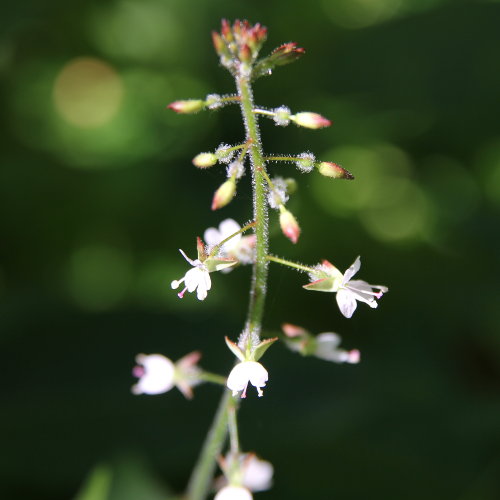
[245,372]
[197,278]
[238,247]
[257,474]
[233,493]
[327,348]
[348,291]
[352,290]
[156,374]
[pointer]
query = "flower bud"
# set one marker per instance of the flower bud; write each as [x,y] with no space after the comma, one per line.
[205,160]
[187,106]
[310,120]
[289,225]
[245,54]
[224,194]
[286,53]
[329,169]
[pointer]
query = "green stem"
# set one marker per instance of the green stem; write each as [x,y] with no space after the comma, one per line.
[212,377]
[201,478]
[260,268]
[289,263]
[217,247]
[233,430]
[199,484]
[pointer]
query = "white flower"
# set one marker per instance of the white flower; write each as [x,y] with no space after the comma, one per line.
[238,247]
[348,291]
[327,348]
[257,474]
[197,278]
[156,374]
[245,372]
[352,290]
[233,493]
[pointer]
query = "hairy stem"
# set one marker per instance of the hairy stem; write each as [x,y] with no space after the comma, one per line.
[199,484]
[260,268]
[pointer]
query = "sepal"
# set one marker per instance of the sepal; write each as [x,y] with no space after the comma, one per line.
[285,54]
[259,351]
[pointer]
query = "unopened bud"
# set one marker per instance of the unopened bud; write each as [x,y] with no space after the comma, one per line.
[289,225]
[188,106]
[329,169]
[245,54]
[205,160]
[224,194]
[311,120]
[219,45]
[286,54]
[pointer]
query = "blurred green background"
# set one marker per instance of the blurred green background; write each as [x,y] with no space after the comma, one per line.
[97,193]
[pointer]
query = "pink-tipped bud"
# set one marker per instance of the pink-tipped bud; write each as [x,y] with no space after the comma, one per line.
[286,53]
[329,169]
[293,330]
[245,54]
[188,106]
[224,194]
[289,225]
[311,120]
[205,160]
[226,30]
[219,45]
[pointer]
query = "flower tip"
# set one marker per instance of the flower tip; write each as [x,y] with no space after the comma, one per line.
[289,226]
[353,357]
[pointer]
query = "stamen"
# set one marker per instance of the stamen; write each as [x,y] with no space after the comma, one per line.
[181,294]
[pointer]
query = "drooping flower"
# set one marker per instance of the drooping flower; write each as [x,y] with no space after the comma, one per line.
[244,373]
[241,248]
[158,374]
[248,350]
[233,493]
[348,290]
[327,348]
[325,345]
[198,278]
[257,473]
[245,469]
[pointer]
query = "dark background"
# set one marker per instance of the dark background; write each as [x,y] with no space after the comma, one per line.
[93,211]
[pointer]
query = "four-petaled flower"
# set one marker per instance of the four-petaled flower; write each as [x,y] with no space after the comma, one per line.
[158,374]
[348,290]
[198,278]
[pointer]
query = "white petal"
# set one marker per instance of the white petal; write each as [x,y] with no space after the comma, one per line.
[233,493]
[257,474]
[158,375]
[347,302]
[212,236]
[203,286]
[244,372]
[228,227]
[192,262]
[352,270]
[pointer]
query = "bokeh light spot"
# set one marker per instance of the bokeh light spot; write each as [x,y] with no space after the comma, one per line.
[88,92]
[98,276]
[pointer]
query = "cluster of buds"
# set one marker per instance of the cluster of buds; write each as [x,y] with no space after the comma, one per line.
[238,45]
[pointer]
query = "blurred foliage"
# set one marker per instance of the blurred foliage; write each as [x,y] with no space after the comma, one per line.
[97,193]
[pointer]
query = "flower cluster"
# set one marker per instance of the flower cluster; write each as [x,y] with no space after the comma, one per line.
[226,247]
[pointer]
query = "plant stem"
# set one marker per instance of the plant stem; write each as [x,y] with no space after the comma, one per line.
[291,264]
[260,268]
[201,478]
[199,484]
